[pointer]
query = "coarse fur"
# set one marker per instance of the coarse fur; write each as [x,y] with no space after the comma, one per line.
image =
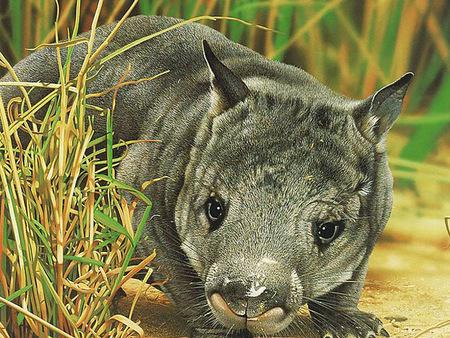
[282,151]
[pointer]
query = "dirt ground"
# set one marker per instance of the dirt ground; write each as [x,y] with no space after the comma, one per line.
[408,284]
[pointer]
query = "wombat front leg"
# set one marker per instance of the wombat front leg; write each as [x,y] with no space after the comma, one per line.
[336,315]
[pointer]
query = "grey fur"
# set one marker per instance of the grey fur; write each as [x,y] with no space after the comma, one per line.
[284,156]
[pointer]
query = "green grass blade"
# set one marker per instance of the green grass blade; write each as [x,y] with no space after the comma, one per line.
[188,7]
[130,254]
[149,7]
[16,26]
[425,138]
[390,37]
[145,7]
[424,120]
[431,71]
[283,25]
[16,294]
[84,260]
[126,187]
[426,79]
[109,142]
[111,223]
[135,241]
[245,10]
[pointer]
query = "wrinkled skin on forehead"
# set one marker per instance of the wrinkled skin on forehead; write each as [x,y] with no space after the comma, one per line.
[314,172]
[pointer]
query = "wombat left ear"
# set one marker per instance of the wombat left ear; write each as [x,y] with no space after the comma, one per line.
[378,113]
[228,87]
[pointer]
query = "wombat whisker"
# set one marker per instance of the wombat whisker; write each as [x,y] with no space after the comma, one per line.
[330,302]
[168,233]
[325,319]
[320,274]
[297,324]
[229,330]
[330,307]
[196,320]
[339,293]
[326,281]
[211,321]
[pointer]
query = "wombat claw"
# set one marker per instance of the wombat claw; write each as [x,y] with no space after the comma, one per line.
[350,324]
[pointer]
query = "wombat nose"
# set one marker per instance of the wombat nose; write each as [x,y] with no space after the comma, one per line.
[250,298]
[267,322]
[257,303]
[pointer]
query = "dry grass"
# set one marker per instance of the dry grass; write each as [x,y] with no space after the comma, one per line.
[66,232]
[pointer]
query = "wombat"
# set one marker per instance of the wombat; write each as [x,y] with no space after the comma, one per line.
[278,187]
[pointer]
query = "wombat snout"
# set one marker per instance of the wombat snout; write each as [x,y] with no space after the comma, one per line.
[254,304]
[267,322]
[251,297]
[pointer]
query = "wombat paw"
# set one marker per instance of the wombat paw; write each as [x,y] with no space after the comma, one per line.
[349,324]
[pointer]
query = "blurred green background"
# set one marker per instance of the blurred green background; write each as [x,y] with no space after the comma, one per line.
[353,46]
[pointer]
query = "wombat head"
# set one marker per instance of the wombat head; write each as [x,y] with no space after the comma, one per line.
[283,197]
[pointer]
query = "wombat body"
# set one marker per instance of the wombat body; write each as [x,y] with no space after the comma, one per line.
[277,187]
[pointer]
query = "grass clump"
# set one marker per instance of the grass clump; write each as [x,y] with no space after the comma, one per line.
[66,237]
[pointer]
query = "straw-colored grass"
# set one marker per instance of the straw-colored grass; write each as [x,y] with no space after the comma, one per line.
[66,234]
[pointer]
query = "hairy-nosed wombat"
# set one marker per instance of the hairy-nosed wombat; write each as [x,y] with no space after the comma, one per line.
[278,189]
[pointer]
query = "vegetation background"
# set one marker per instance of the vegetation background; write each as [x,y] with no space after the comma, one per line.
[353,46]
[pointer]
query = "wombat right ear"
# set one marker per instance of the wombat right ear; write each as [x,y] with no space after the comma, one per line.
[228,87]
[376,115]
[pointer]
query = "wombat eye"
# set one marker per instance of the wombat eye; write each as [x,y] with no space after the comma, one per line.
[215,212]
[327,232]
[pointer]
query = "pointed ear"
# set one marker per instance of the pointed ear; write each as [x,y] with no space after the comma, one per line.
[376,115]
[229,88]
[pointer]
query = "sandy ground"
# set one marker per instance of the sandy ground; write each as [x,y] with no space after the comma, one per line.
[408,285]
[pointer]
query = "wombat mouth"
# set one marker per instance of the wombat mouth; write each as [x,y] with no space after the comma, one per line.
[269,322]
